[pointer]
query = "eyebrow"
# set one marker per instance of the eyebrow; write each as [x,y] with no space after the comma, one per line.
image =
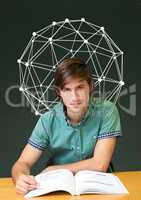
[79,84]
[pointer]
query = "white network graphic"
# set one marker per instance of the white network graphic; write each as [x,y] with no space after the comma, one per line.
[65,39]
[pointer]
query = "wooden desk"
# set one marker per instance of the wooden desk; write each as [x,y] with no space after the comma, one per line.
[132,181]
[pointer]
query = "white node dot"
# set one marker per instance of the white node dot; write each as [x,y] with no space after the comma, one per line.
[82,19]
[121,52]
[50,39]
[34,33]
[77,31]
[41,85]
[102,28]
[53,67]
[71,50]
[66,20]
[86,41]
[99,79]
[104,77]
[114,57]
[53,23]
[19,61]
[36,113]
[20,89]
[26,64]
[32,41]
[103,35]
[94,51]
[122,83]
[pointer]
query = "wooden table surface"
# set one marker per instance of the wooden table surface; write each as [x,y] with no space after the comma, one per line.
[132,181]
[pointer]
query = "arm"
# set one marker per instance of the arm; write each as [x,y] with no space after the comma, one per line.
[99,162]
[21,169]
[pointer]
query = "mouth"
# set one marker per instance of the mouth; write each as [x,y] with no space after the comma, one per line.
[75,105]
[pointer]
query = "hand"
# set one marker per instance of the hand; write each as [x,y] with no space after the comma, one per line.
[25,183]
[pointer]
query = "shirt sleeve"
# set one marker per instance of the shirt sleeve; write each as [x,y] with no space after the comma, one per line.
[110,125]
[39,137]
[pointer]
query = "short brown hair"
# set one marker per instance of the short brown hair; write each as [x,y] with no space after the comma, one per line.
[71,68]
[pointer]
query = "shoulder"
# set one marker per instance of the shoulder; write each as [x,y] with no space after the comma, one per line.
[109,107]
[52,118]
[104,108]
[103,104]
[52,113]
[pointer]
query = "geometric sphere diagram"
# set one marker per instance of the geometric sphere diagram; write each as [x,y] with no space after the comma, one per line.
[66,39]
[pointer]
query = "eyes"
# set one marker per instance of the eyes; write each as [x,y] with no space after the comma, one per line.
[67,89]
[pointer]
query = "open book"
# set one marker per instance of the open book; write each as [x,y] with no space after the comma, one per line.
[84,181]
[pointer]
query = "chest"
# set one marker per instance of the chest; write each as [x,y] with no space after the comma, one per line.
[80,139]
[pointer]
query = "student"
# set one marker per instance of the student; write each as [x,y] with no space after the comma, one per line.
[79,133]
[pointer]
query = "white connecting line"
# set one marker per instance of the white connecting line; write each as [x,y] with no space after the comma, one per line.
[64,39]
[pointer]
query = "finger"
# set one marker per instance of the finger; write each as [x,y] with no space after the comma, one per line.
[22,186]
[32,178]
[25,184]
[21,190]
[32,187]
[29,180]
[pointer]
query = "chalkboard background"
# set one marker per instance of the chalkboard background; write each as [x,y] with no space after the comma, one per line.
[122,21]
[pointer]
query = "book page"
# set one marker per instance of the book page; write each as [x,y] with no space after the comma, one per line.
[54,180]
[98,182]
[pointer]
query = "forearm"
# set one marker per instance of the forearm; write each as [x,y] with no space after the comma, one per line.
[18,169]
[88,164]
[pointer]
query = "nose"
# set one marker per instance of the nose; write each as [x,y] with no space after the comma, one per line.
[74,95]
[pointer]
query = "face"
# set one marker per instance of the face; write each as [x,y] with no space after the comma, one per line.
[75,95]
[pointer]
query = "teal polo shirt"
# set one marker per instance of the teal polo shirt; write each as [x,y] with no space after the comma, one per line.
[66,143]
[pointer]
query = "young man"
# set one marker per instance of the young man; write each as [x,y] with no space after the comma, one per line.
[79,133]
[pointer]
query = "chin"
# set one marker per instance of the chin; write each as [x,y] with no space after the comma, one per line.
[77,110]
